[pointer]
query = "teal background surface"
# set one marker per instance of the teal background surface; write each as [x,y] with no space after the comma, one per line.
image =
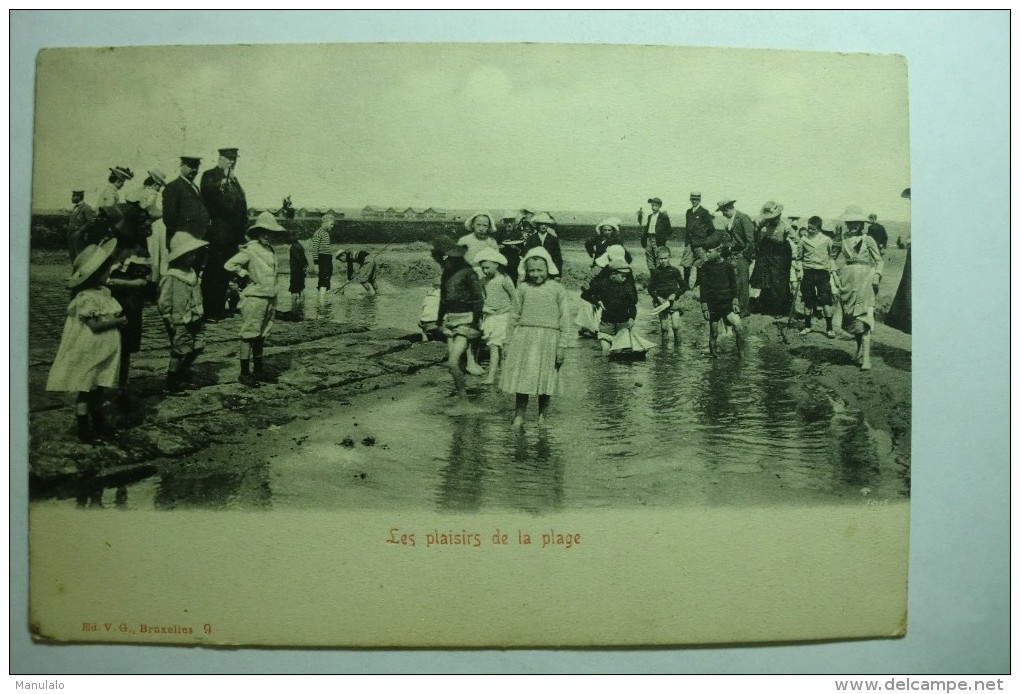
[958,65]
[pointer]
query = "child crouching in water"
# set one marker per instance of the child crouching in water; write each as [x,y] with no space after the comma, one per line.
[718,282]
[88,358]
[256,261]
[499,294]
[666,285]
[616,295]
[180,305]
[537,330]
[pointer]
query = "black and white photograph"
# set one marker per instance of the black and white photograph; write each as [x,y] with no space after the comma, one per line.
[487,314]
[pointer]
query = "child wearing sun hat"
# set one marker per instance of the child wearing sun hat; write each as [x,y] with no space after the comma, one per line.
[88,358]
[256,261]
[180,305]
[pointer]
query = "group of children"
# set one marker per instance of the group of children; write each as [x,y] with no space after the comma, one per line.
[91,355]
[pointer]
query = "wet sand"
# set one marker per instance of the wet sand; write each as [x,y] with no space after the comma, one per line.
[370,430]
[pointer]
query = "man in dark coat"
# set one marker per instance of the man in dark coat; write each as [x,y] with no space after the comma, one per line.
[699,225]
[81,215]
[743,237]
[545,236]
[657,231]
[228,219]
[183,209]
[877,232]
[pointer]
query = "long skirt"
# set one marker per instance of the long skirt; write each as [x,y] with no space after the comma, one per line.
[530,366]
[857,297]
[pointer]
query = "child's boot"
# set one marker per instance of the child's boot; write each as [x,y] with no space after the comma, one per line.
[85,434]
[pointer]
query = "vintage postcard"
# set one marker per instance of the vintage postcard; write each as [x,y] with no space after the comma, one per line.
[468,345]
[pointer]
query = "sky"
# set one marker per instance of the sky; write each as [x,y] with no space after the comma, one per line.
[496,126]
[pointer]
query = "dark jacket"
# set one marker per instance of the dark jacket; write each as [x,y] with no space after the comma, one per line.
[878,232]
[664,281]
[618,299]
[460,289]
[699,223]
[298,260]
[184,210]
[551,244]
[227,205]
[743,235]
[663,230]
[81,216]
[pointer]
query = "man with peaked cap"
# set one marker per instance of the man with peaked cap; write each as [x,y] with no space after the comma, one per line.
[699,224]
[110,195]
[228,221]
[80,217]
[743,239]
[183,208]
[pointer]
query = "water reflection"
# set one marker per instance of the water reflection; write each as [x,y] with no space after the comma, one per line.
[461,480]
[857,459]
[536,472]
[247,488]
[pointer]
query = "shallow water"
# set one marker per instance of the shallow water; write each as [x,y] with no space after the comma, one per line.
[677,429]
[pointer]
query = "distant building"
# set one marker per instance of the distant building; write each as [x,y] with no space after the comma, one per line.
[369,212]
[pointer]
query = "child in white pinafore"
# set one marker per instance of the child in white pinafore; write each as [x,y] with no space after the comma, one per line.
[537,331]
[88,358]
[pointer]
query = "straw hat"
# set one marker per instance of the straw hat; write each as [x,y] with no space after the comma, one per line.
[122,172]
[543,218]
[157,175]
[612,222]
[471,220]
[491,255]
[182,242]
[724,203]
[619,264]
[771,210]
[614,252]
[266,221]
[88,262]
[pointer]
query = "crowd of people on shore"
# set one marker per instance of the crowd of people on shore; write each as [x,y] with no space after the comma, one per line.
[193,248]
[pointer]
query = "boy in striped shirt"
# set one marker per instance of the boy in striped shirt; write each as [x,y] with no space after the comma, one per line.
[322,251]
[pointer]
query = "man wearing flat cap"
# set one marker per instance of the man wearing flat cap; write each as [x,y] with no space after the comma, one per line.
[742,236]
[657,231]
[228,218]
[183,208]
[81,216]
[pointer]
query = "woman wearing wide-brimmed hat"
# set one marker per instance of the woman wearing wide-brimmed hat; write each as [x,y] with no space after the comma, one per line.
[110,194]
[773,261]
[88,358]
[859,270]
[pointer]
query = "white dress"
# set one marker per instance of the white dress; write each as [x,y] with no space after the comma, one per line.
[86,359]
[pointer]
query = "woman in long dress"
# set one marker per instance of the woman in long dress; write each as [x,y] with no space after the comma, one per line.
[773,261]
[859,270]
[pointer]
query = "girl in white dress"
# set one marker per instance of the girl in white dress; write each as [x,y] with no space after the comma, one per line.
[88,358]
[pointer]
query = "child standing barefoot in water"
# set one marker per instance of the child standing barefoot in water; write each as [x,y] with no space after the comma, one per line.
[460,309]
[719,300]
[537,331]
[88,358]
[499,294]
